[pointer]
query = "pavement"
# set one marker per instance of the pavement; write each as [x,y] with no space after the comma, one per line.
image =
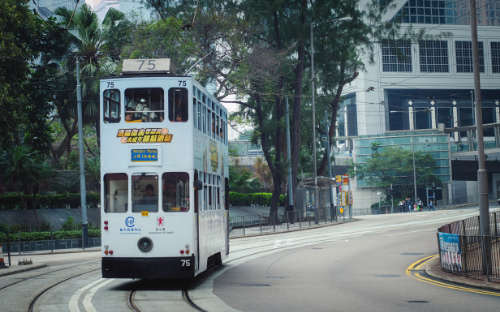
[433,269]
[43,259]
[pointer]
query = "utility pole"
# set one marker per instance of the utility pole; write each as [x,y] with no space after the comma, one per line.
[289,152]
[414,170]
[333,211]
[316,197]
[83,195]
[482,176]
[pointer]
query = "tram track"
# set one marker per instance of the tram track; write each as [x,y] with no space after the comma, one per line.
[42,274]
[185,296]
[33,301]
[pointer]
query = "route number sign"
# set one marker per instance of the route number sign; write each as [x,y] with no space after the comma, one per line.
[147,65]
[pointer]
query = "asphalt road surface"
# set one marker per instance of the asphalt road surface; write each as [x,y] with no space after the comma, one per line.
[358,266]
[363,271]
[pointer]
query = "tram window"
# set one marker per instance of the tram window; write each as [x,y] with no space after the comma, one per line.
[144,192]
[178,104]
[213,124]
[115,192]
[195,114]
[210,197]
[175,191]
[111,106]
[218,192]
[200,122]
[144,105]
[217,128]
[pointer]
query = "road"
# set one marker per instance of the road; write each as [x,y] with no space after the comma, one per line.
[358,266]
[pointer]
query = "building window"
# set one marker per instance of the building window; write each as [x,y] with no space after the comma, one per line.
[433,56]
[464,56]
[396,56]
[495,57]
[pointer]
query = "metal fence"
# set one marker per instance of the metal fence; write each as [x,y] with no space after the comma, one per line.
[463,250]
[241,226]
[21,247]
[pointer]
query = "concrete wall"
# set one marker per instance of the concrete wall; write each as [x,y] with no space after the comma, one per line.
[54,217]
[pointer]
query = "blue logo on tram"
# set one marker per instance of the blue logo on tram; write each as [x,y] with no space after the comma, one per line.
[130,221]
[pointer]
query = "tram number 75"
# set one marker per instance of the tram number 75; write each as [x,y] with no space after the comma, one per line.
[185,262]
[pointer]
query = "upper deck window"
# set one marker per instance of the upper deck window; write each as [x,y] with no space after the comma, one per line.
[144,105]
[178,104]
[144,192]
[111,106]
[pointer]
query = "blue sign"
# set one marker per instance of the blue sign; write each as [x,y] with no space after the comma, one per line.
[449,242]
[144,155]
[451,255]
[130,221]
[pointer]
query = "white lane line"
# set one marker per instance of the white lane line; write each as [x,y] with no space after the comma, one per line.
[73,302]
[87,301]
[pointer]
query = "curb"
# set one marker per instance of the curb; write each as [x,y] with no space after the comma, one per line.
[433,270]
[14,270]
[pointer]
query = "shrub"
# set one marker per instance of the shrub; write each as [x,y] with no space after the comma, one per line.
[247,199]
[17,200]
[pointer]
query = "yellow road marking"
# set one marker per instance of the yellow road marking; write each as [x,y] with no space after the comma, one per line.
[419,263]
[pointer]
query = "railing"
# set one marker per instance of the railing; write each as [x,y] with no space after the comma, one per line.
[241,226]
[463,250]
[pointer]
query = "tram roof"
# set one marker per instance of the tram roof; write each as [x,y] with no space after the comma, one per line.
[145,75]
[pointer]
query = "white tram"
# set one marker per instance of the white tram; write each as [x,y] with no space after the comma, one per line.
[164,174]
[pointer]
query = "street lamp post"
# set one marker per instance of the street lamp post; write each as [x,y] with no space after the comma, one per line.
[313,93]
[316,201]
[83,195]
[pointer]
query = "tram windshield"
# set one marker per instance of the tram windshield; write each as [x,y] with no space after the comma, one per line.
[175,191]
[144,105]
[115,192]
[144,192]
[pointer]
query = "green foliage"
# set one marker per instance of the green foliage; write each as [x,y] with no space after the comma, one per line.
[247,199]
[394,165]
[242,180]
[35,236]
[16,200]
[69,224]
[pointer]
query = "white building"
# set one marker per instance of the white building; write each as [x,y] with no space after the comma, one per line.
[418,85]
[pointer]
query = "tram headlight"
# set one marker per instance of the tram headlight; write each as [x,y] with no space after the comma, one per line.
[145,244]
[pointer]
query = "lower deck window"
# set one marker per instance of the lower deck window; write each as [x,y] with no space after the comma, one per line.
[115,192]
[144,192]
[175,191]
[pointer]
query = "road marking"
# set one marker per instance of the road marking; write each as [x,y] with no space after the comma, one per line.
[73,302]
[87,301]
[417,267]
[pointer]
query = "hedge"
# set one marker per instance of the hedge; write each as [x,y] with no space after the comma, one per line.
[35,236]
[20,200]
[247,199]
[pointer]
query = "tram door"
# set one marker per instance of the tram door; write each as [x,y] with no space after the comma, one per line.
[226,207]
[197,217]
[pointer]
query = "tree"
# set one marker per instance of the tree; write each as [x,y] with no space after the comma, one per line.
[394,166]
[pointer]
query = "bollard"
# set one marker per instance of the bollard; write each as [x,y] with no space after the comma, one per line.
[2,262]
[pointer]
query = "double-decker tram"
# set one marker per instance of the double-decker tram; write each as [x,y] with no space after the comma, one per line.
[164,174]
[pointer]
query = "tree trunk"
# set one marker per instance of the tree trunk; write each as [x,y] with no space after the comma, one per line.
[297,103]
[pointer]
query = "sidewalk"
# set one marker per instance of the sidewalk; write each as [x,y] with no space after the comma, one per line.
[433,268]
